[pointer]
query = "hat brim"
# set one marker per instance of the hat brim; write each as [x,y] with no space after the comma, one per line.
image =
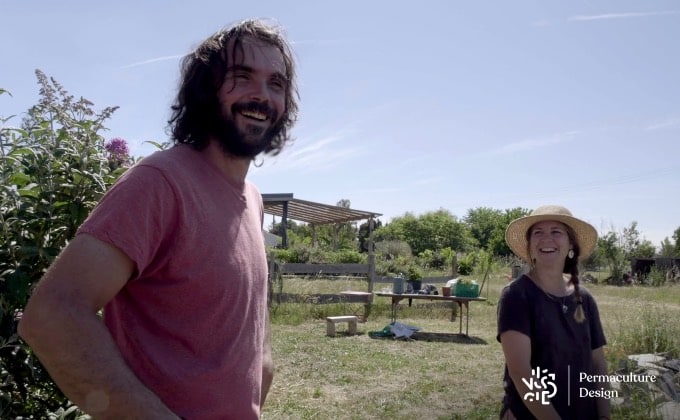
[515,234]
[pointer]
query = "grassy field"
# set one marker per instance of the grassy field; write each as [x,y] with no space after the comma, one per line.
[359,377]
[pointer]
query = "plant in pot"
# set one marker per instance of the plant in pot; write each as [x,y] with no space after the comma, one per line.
[414,279]
[466,288]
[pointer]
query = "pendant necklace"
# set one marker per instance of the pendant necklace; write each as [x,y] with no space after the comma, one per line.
[565,308]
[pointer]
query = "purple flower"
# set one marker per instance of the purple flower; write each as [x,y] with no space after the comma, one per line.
[118,151]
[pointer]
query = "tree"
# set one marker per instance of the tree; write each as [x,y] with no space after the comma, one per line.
[363,234]
[667,248]
[344,234]
[497,245]
[612,254]
[53,171]
[633,246]
[482,223]
[433,230]
[676,238]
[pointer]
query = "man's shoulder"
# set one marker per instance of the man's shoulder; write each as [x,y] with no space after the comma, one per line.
[167,157]
[173,164]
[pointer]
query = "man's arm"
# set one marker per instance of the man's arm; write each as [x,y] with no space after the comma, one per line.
[267,363]
[61,325]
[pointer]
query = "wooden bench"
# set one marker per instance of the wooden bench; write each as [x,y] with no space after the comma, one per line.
[351,321]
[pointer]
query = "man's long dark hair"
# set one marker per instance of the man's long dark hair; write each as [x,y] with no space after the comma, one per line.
[203,73]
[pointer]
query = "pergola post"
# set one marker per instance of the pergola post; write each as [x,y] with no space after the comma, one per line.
[371,265]
[284,226]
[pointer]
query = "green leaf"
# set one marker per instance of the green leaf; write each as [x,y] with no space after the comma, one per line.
[19,179]
[159,146]
[60,204]
[30,191]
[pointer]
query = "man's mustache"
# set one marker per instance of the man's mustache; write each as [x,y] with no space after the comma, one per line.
[255,107]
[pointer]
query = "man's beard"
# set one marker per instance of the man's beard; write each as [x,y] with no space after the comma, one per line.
[249,142]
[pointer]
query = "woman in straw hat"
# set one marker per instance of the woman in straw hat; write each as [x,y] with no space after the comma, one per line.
[549,325]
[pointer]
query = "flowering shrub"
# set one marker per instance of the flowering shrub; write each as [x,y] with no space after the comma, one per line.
[53,170]
[117,153]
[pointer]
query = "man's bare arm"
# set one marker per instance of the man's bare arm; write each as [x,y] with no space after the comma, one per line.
[61,325]
[267,364]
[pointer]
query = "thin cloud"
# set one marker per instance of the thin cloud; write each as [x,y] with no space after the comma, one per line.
[531,144]
[581,18]
[670,122]
[320,155]
[152,60]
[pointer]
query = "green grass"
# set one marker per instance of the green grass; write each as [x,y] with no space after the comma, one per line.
[358,377]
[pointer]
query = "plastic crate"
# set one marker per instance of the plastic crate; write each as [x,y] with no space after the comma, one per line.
[466,290]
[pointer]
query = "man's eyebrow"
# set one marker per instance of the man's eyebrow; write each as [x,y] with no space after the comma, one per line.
[240,67]
[248,69]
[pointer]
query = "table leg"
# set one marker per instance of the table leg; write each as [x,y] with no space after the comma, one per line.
[460,318]
[467,317]
[395,302]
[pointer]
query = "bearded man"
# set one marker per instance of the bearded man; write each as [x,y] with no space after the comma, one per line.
[174,253]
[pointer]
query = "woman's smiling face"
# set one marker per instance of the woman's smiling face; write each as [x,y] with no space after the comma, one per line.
[549,241]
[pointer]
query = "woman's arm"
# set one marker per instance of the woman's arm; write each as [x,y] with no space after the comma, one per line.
[517,351]
[600,365]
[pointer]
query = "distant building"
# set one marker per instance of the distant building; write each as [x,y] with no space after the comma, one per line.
[270,239]
[641,267]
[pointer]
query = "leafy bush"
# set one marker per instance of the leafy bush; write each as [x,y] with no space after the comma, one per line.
[655,277]
[392,249]
[53,169]
[466,264]
[347,256]
[436,260]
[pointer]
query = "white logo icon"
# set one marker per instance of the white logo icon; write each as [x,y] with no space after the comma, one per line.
[541,386]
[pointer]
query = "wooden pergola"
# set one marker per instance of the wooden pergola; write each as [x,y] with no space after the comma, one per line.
[288,207]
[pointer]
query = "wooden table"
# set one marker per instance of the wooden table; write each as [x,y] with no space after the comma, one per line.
[461,301]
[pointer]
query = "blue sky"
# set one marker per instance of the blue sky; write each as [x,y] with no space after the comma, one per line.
[407,108]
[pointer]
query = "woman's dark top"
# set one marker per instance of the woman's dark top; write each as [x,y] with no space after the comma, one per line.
[559,345]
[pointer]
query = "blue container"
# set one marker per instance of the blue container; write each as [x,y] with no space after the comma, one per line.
[398,285]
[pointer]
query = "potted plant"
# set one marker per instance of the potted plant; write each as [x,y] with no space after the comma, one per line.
[466,288]
[414,279]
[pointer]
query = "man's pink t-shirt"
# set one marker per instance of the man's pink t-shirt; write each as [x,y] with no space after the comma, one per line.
[191,321]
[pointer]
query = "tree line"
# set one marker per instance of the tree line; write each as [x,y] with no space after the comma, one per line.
[434,235]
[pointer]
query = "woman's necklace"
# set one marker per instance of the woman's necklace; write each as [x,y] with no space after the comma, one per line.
[565,308]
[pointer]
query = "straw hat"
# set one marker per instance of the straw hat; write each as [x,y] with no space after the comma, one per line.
[516,233]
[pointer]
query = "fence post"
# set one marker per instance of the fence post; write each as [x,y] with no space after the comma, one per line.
[454,266]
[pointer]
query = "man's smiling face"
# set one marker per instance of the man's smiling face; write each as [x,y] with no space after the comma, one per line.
[252,99]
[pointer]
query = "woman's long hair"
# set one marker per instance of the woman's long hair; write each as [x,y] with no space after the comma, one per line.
[571,267]
[203,71]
